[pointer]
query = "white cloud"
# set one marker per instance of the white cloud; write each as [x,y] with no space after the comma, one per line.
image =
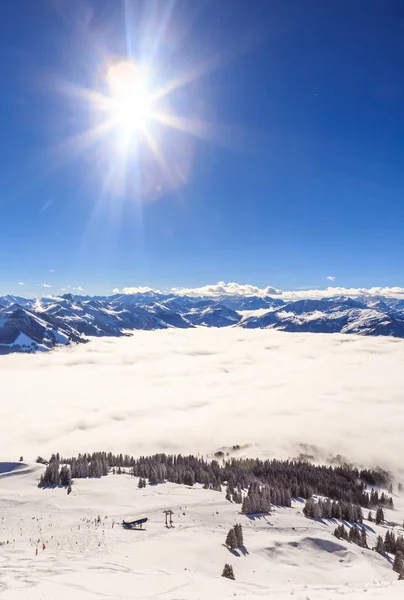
[331,277]
[21,283]
[132,290]
[46,285]
[227,289]
[391,292]
[78,289]
[198,390]
[222,289]
[51,270]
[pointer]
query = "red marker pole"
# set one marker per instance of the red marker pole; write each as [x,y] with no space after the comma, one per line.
[36,552]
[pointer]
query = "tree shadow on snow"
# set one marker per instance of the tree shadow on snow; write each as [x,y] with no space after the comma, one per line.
[255,516]
[234,552]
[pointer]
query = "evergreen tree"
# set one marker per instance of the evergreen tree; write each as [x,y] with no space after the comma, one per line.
[390,542]
[379,545]
[354,535]
[231,539]
[153,479]
[189,478]
[398,565]
[51,474]
[379,516]
[370,518]
[228,572]
[363,538]
[65,476]
[238,530]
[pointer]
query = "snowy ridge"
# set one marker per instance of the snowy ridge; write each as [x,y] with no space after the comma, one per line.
[34,325]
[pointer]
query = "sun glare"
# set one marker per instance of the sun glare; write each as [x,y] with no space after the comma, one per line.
[131,100]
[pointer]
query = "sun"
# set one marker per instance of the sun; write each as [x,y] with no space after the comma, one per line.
[131,101]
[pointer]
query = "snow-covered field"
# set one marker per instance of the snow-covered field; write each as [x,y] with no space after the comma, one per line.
[287,554]
[202,389]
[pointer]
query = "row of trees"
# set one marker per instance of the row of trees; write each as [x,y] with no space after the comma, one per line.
[393,544]
[398,564]
[355,535]
[390,544]
[260,498]
[285,479]
[327,509]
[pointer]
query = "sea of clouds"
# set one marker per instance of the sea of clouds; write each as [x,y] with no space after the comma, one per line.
[203,389]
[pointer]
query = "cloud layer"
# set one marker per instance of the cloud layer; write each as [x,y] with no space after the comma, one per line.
[198,390]
[236,289]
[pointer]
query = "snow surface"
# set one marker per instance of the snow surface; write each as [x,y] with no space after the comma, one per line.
[287,555]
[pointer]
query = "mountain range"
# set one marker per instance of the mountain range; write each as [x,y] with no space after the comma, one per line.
[30,325]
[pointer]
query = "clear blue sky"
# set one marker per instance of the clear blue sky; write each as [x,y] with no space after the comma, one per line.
[296,173]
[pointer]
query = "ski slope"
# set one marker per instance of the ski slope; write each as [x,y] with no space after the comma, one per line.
[288,556]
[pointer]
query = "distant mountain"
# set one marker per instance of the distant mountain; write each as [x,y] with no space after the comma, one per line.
[22,330]
[215,315]
[28,325]
[341,315]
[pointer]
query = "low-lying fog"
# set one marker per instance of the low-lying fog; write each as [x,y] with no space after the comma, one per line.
[201,389]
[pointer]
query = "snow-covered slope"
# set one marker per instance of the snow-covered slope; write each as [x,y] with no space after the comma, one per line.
[73,317]
[23,330]
[287,556]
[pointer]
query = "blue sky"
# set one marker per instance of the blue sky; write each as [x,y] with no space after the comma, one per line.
[292,171]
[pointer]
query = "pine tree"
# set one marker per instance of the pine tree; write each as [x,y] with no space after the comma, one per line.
[228,572]
[189,478]
[379,545]
[379,516]
[238,530]
[398,565]
[231,539]
[363,538]
[228,494]
[246,506]
[65,476]
[153,479]
[370,518]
